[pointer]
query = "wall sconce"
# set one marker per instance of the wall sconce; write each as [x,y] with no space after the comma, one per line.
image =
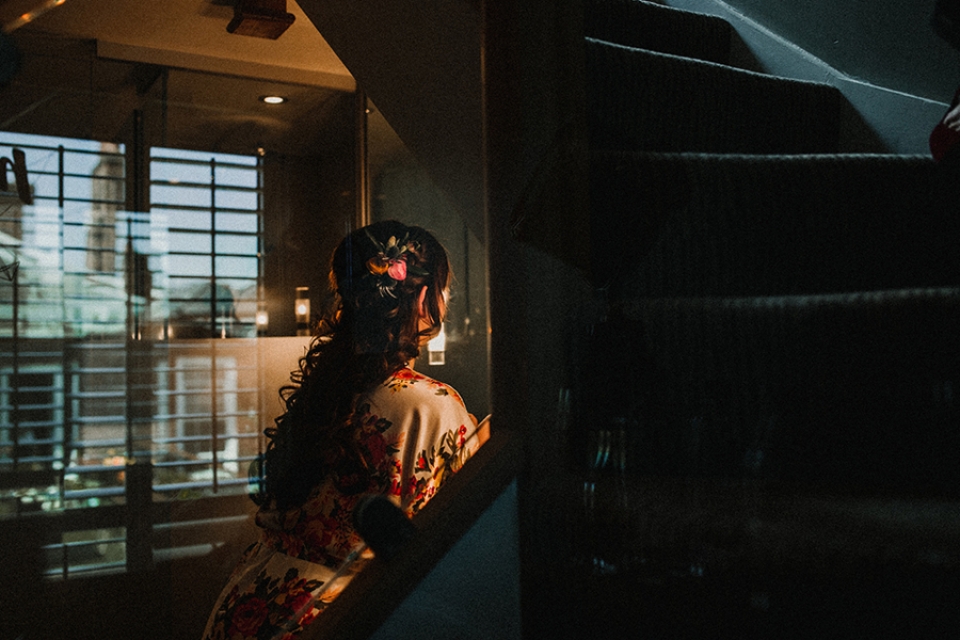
[262,319]
[437,348]
[301,310]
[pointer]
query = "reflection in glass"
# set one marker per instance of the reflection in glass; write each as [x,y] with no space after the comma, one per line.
[402,190]
[79,402]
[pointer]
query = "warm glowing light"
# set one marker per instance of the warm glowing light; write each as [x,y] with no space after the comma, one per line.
[273,99]
[437,347]
[32,15]
[301,309]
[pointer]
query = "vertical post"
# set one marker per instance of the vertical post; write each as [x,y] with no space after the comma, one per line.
[136,200]
[138,166]
[535,174]
[214,415]
[362,161]
[138,478]
[263,308]
[15,375]
[139,364]
[60,177]
[213,254]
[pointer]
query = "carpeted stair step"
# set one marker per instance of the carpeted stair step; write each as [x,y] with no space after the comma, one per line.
[656,27]
[640,100]
[743,225]
[852,391]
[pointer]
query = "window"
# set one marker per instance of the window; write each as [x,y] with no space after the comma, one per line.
[210,208]
[117,390]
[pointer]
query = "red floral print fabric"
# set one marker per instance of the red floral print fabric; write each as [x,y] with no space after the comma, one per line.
[414,431]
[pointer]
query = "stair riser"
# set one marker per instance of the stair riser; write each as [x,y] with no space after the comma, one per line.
[688,225]
[845,391]
[644,101]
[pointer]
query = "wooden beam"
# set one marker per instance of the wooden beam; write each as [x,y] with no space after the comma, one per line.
[261,18]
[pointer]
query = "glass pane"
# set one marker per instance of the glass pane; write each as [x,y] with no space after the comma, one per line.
[75,235]
[180,195]
[189,265]
[230,199]
[235,267]
[108,190]
[245,288]
[78,260]
[46,185]
[242,222]
[200,156]
[86,163]
[79,187]
[237,244]
[236,177]
[76,212]
[93,276]
[180,219]
[91,550]
[45,232]
[38,160]
[403,190]
[186,287]
[163,171]
[190,242]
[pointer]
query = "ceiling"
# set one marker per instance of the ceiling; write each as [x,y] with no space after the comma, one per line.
[191,34]
[87,64]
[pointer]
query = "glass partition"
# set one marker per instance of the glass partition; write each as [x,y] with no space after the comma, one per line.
[401,189]
[148,274]
[155,224]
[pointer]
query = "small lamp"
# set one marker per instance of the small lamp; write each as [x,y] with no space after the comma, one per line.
[301,309]
[437,348]
[262,319]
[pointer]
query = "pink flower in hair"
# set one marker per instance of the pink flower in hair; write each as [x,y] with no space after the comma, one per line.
[391,260]
[398,269]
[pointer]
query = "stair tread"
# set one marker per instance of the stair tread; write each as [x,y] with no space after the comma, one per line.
[781,310]
[708,224]
[657,27]
[646,100]
[881,299]
[721,157]
[714,327]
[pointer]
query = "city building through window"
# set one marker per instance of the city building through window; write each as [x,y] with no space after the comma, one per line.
[112,323]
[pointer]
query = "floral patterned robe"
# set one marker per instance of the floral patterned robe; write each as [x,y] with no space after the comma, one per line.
[414,431]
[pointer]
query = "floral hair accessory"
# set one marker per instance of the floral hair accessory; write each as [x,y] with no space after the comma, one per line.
[391,261]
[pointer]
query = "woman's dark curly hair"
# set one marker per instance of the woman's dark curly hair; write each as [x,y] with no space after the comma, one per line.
[375,332]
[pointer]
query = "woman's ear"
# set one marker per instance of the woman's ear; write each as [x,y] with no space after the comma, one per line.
[421,300]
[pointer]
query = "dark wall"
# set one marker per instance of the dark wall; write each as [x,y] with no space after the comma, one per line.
[889,43]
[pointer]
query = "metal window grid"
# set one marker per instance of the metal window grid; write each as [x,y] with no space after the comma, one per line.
[93,418]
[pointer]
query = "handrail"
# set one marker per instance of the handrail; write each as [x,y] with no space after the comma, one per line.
[383,585]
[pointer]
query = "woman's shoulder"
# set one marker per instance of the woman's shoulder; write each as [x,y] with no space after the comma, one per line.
[407,384]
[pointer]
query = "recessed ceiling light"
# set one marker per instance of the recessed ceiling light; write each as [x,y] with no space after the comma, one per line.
[273,99]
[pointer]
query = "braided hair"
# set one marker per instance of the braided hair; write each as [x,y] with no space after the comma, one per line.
[378,273]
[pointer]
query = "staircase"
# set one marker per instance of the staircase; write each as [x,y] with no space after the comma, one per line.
[772,441]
